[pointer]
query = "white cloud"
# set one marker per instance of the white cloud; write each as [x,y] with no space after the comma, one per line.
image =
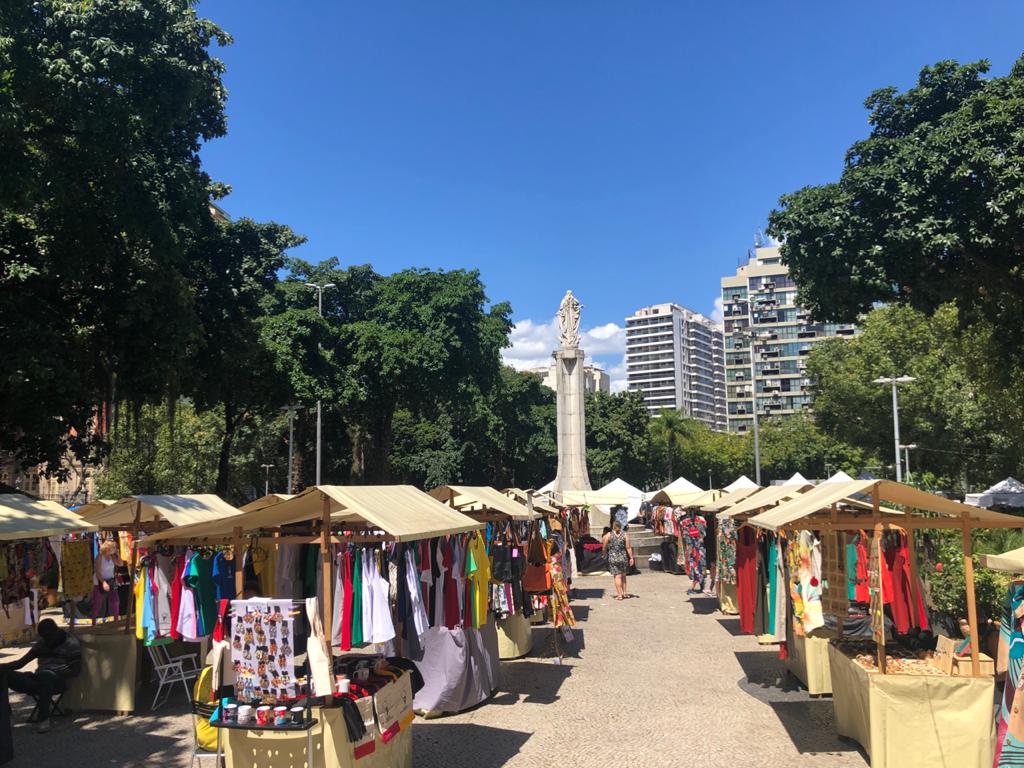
[617,375]
[533,343]
[718,313]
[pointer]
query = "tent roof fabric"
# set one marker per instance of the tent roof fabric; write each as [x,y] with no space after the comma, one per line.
[681,485]
[604,498]
[740,483]
[826,494]
[481,498]
[540,503]
[266,501]
[696,498]
[1012,561]
[176,510]
[403,512]
[84,510]
[25,517]
[730,498]
[766,497]
[797,479]
[618,485]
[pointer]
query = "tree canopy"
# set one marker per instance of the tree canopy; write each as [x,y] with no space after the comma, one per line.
[929,208]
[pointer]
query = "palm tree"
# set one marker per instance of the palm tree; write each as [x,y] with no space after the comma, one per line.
[668,428]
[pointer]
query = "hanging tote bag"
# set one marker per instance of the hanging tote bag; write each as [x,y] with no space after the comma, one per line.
[537,578]
[319,665]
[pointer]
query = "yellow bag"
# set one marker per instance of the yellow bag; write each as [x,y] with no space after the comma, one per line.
[206,734]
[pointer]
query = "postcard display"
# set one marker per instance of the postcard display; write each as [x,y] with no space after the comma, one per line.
[262,635]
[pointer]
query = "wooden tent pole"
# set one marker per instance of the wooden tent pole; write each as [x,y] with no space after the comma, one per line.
[325,554]
[132,565]
[972,608]
[239,546]
[876,542]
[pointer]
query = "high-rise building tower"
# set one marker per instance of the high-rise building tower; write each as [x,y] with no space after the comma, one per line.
[676,358]
[759,301]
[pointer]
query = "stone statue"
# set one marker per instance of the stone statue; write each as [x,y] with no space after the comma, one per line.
[569,321]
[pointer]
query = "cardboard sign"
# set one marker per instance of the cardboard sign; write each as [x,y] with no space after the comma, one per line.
[392,703]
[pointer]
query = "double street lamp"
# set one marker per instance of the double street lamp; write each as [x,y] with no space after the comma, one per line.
[895,381]
[319,288]
[266,480]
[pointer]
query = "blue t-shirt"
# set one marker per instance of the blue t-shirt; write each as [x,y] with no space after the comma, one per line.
[223,577]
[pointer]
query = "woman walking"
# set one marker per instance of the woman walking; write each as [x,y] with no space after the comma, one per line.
[619,553]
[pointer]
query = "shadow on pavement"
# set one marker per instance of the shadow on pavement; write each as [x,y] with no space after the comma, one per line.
[732,626]
[811,727]
[765,671]
[704,606]
[544,643]
[581,612]
[533,682]
[588,594]
[439,743]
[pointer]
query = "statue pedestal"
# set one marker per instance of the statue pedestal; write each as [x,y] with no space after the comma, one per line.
[572,443]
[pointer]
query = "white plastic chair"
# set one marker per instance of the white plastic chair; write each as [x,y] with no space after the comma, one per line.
[170,670]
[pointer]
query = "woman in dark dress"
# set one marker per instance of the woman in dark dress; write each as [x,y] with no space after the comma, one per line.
[619,553]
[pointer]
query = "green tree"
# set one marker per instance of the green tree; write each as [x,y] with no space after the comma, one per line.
[929,208]
[617,438]
[965,420]
[795,444]
[233,367]
[668,429]
[103,108]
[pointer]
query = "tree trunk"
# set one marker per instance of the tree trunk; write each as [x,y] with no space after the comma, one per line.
[231,422]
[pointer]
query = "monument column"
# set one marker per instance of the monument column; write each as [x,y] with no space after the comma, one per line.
[569,387]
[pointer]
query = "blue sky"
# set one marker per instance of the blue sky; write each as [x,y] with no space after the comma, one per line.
[626,150]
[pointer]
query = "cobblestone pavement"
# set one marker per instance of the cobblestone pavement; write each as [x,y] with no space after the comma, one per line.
[660,680]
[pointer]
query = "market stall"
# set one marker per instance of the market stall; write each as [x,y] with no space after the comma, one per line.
[113,654]
[26,525]
[508,528]
[725,549]
[751,562]
[689,535]
[360,532]
[886,691]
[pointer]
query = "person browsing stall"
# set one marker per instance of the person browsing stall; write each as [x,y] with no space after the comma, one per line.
[104,581]
[58,654]
[619,554]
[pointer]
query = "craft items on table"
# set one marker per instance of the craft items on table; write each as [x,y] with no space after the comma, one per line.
[262,635]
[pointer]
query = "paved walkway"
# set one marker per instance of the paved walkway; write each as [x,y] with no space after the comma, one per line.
[660,680]
[656,681]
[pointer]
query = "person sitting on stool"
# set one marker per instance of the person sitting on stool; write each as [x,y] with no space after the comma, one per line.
[59,656]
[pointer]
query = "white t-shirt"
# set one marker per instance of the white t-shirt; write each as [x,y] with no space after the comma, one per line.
[106,569]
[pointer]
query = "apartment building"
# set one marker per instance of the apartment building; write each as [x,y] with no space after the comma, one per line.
[676,358]
[759,306]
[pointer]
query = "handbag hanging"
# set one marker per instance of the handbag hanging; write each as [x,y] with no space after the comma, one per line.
[537,578]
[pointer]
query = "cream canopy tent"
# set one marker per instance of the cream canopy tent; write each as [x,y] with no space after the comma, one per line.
[635,497]
[84,510]
[402,512]
[730,498]
[682,485]
[766,497]
[1012,561]
[946,513]
[266,501]
[740,483]
[548,488]
[482,502]
[24,517]
[696,498]
[539,502]
[175,510]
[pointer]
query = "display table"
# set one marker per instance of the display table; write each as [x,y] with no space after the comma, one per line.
[727,599]
[459,668]
[515,637]
[268,748]
[110,670]
[913,720]
[808,660]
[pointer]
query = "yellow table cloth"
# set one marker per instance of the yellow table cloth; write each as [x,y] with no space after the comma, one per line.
[515,637]
[267,749]
[110,671]
[808,661]
[906,721]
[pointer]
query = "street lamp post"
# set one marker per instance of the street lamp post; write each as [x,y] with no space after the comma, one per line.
[906,458]
[895,381]
[266,480]
[291,411]
[319,288]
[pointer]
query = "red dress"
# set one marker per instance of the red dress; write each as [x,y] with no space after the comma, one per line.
[346,601]
[746,578]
